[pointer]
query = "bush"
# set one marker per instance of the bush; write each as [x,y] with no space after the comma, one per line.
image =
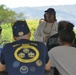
[7,35]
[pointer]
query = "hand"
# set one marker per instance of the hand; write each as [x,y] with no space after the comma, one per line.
[46,38]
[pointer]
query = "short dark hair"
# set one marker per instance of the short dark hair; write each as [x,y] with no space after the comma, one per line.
[45,17]
[67,34]
[62,24]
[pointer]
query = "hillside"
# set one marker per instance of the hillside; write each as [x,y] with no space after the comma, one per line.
[63,12]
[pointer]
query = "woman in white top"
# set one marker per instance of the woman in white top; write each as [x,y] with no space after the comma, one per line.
[48,27]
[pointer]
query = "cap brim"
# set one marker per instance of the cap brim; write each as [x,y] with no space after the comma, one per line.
[49,11]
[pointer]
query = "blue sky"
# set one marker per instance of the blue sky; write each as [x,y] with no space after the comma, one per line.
[35,3]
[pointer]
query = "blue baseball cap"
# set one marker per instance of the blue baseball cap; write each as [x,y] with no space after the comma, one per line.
[50,10]
[20,28]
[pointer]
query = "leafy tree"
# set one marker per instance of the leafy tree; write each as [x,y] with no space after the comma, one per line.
[7,15]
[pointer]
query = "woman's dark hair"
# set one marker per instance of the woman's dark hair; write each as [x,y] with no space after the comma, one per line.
[62,24]
[67,34]
[54,17]
[51,10]
[45,17]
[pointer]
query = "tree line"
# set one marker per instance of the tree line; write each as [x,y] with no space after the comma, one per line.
[8,16]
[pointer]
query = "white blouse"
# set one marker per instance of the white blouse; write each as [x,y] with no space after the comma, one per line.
[45,29]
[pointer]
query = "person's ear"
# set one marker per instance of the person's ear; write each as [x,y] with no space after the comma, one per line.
[59,40]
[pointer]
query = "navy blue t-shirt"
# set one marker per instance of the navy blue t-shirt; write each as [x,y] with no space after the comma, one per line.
[25,57]
[52,42]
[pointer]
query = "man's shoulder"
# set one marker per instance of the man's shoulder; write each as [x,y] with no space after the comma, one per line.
[8,45]
[38,43]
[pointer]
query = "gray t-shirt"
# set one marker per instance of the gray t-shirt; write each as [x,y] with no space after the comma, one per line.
[64,59]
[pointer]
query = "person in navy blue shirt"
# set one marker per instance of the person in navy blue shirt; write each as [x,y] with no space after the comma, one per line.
[53,40]
[24,56]
[1,46]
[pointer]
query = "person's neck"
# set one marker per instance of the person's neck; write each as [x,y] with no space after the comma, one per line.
[52,21]
[67,44]
[22,37]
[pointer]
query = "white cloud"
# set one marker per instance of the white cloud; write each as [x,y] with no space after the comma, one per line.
[33,3]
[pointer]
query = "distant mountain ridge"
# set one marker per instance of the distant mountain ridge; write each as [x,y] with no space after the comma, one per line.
[63,12]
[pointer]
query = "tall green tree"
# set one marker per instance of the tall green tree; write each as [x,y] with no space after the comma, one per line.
[7,15]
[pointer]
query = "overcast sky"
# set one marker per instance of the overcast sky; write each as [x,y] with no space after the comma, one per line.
[35,3]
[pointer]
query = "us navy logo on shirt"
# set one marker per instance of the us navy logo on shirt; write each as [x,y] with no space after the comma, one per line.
[38,62]
[32,69]
[31,54]
[26,53]
[26,50]
[21,55]
[16,64]
[24,69]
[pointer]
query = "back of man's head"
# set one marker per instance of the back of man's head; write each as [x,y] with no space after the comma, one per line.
[62,24]
[20,28]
